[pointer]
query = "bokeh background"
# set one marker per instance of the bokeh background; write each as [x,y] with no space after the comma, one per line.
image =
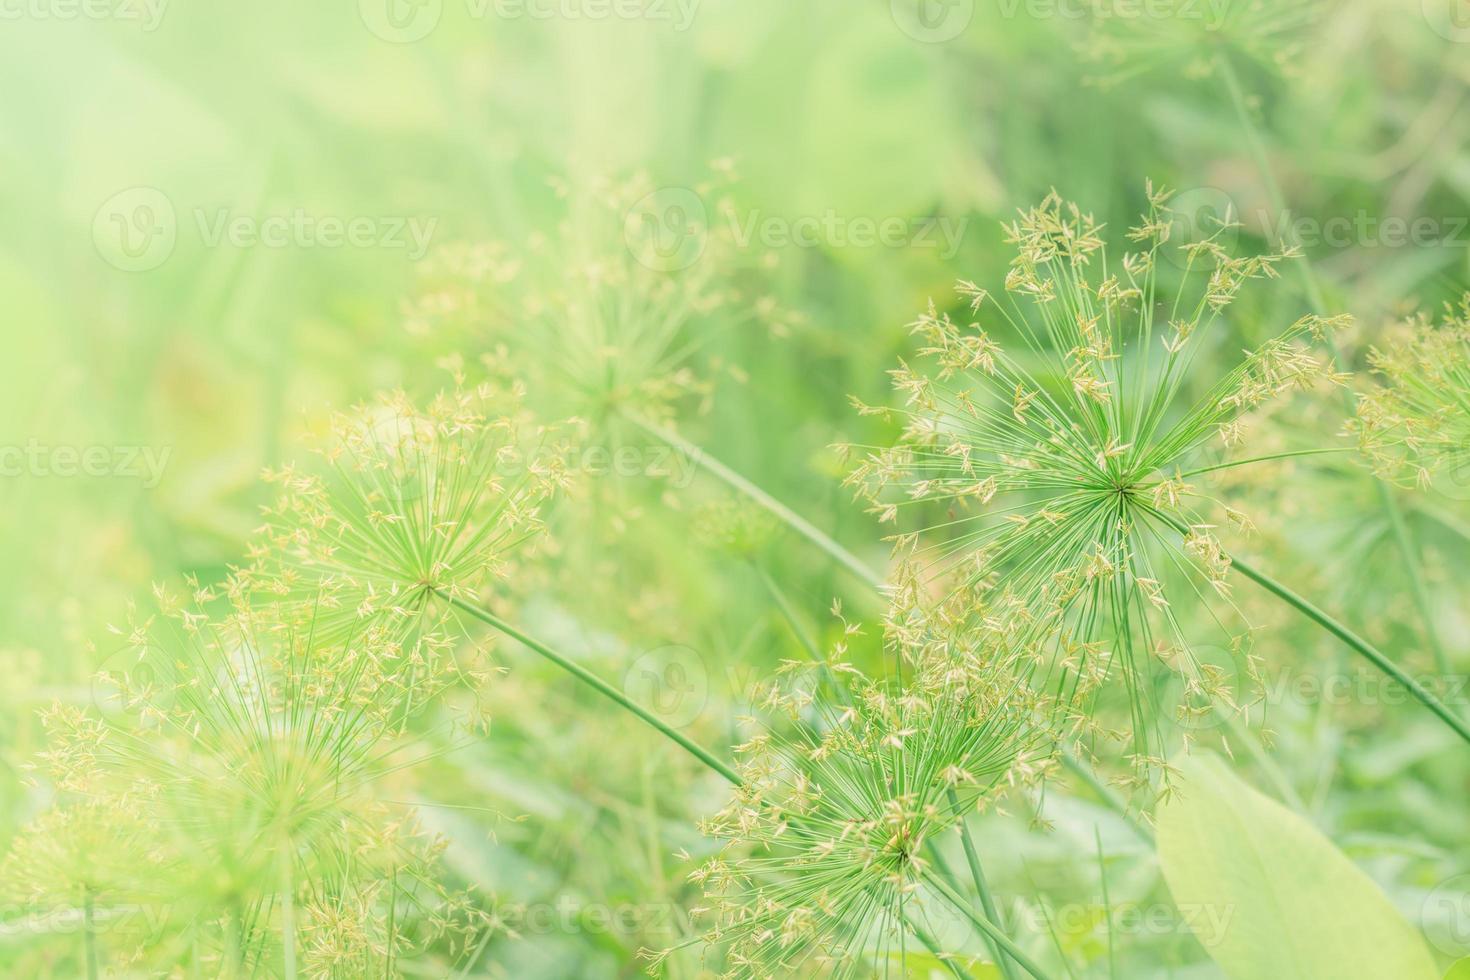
[220,222]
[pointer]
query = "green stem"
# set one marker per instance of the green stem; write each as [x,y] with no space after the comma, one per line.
[932,945]
[941,865]
[984,925]
[232,942]
[1258,459]
[977,874]
[1257,148]
[788,516]
[1357,644]
[596,683]
[1318,301]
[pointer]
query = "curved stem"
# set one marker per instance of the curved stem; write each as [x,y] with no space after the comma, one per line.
[596,683]
[788,516]
[1357,644]
[1338,629]
[984,925]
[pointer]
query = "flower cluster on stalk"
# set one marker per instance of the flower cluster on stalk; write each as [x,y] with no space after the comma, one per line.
[1042,477]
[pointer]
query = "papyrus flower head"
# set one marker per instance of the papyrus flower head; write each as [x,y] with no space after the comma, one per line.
[1415,426]
[413,501]
[264,757]
[1128,39]
[1045,480]
[826,840]
[619,310]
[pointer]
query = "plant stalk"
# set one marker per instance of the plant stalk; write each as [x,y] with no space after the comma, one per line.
[982,888]
[596,683]
[1340,630]
[932,945]
[982,923]
[792,519]
[1357,644]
